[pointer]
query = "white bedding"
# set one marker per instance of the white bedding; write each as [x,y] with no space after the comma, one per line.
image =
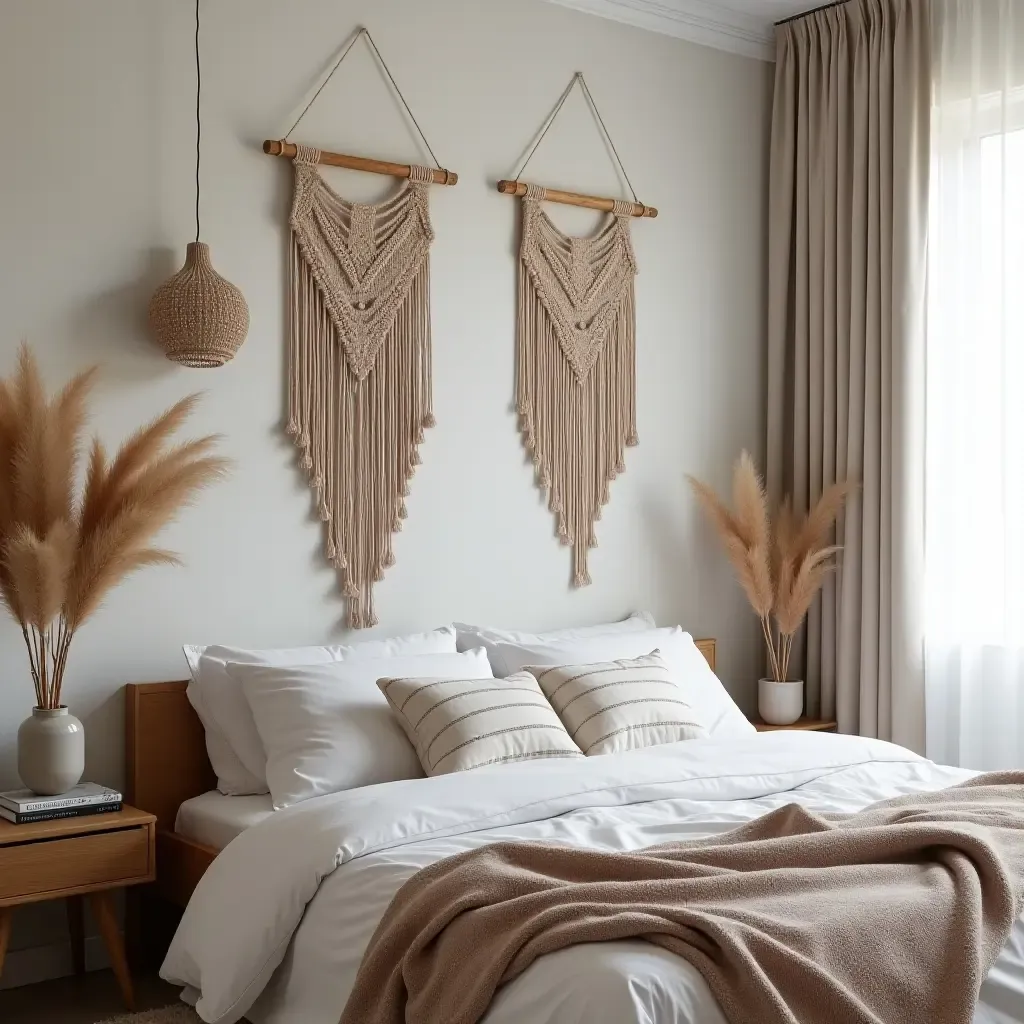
[214,819]
[277,927]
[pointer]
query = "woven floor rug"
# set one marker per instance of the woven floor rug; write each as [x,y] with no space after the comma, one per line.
[178,1013]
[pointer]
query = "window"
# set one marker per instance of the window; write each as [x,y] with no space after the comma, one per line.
[975,385]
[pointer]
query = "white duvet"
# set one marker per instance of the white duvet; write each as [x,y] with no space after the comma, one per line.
[277,927]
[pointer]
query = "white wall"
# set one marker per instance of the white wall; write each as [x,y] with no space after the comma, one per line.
[96,193]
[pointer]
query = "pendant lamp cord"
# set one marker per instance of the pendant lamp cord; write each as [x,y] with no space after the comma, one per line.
[199,123]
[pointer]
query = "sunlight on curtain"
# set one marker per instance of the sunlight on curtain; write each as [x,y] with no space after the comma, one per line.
[974,528]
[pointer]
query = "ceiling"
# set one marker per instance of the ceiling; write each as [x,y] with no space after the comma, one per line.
[738,26]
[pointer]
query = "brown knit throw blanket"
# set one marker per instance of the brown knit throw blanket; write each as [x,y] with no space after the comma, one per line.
[359,394]
[890,916]
[576,366]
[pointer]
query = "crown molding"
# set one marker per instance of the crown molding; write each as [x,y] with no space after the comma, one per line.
[695,20]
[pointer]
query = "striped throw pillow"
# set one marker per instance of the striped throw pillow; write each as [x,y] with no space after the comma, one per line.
[456,724]
[620,705]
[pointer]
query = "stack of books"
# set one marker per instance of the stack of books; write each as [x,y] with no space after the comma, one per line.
[22,805]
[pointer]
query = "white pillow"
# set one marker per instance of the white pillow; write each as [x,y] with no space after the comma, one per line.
[328,727]
[233,778]
[627,704]
[456,725]
[467,637]
[232,741]
[702,688]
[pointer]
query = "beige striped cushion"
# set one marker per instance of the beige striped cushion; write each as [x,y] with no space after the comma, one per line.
[620,705]
[456,724]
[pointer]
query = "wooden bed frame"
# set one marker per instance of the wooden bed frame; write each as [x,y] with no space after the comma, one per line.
[166,764]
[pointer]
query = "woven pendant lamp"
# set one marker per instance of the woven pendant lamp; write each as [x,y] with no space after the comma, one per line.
[200,318]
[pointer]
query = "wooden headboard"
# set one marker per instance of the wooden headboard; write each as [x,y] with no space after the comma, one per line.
[707,648]
[165,750]
[165,747]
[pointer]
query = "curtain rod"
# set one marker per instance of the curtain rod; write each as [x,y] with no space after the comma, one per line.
[813,10]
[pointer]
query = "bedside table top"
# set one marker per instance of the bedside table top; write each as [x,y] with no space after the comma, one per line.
[801,724]
[61,828]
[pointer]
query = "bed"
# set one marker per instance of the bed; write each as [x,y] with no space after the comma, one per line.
[285,908]
[212,819]
[168,773]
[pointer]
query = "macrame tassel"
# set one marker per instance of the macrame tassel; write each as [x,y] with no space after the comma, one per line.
[576,368]
[580,574]
[361,613]
[359,390]
[355,613]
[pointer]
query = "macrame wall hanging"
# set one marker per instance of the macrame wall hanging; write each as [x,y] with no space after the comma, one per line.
[359,380]
[576,349]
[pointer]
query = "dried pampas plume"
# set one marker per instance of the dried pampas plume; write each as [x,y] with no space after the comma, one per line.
[746,536]
[60,555]
[782,561]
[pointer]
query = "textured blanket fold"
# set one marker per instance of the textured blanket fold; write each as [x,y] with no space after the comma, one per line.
[889,916]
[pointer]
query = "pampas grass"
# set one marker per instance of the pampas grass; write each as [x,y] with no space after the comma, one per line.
[60,554]
[782,561]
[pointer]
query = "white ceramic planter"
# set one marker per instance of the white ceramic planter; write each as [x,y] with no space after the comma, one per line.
[51,751]
[780,703]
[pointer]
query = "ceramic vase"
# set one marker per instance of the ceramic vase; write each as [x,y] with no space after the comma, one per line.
[51,751]
[780,703]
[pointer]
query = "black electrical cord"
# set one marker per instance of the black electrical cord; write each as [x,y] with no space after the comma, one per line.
[199,124]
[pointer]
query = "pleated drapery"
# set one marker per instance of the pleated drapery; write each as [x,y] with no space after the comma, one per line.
[847,299]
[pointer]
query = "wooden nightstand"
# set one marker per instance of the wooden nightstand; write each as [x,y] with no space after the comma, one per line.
[73,858]
[802,724]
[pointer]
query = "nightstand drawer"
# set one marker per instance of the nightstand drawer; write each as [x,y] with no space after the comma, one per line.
[55,865]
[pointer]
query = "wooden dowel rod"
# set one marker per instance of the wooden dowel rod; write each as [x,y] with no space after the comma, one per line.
[278,147]
[553,195]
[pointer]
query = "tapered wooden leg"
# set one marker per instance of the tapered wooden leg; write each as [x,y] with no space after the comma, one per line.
[76,927]
[6,914]
[133,932]
[102,906]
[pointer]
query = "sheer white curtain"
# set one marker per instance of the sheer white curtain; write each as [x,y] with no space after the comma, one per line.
[974,528]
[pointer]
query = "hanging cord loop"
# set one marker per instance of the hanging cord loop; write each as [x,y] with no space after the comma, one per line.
[577,77]
[363,31]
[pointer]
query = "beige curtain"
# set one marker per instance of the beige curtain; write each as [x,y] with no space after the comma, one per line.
[847,293]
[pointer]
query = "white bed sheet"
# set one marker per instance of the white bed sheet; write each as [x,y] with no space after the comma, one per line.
[277,930]
[214,819]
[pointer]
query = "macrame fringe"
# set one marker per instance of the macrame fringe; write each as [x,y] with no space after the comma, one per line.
[576,369]
[359,392]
